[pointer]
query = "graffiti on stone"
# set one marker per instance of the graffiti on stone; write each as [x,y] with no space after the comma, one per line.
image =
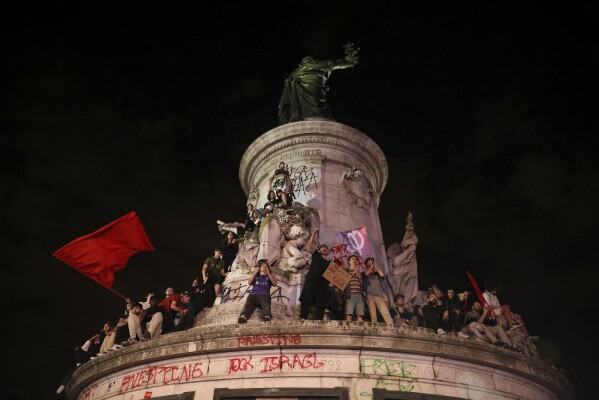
[362,388]
[396,375]
[341,253]
[275,339]
[283,362]
[89,392]
[237,291]
[302,177]
[162,375]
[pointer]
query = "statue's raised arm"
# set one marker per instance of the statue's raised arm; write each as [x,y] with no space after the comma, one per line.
[304,92]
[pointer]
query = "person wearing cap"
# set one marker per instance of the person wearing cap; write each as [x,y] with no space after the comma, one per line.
[261,281]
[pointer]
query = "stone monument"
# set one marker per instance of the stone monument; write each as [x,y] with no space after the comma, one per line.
[338,175]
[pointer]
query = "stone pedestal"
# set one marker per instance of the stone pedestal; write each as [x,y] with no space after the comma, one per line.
[336,169]
[264,360]
[340,172]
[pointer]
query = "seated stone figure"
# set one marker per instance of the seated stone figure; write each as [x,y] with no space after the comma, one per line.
[293,256]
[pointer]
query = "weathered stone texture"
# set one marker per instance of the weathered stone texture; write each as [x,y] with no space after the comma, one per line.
[294,353]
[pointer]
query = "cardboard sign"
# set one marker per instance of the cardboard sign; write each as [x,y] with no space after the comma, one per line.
[337,276]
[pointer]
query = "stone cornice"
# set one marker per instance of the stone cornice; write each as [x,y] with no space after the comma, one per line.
[322,133]
[204,340]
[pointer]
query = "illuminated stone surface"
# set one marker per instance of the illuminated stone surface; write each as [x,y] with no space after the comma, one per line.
[279,354]
[286,353]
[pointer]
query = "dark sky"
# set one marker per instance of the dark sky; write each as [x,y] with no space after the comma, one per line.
[487,115]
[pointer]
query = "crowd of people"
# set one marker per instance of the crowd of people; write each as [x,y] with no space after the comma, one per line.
[367,297]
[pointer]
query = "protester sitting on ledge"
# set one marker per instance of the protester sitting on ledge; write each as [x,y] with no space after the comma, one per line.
[513,320]
[198,302]
[121,333]
[261,281]
[151,320]
[174,305]
[272,202]
[401,314]
[450,317]
[417,311]
[134,323]
[486,328]
[92,346]
[431,312]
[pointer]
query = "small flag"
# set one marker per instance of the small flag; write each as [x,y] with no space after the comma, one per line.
[479,294]
[356,241]
[100,254]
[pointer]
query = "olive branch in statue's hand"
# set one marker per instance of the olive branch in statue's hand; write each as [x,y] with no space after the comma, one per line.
[351,54]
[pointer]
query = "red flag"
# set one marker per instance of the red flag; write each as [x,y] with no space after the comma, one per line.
[481,298]
[100,254]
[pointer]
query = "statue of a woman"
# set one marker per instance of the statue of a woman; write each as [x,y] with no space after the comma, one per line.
[304,92]
[404,267]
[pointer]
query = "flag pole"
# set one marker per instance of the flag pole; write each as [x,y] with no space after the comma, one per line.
[115,292]
[104,286]
[109,288]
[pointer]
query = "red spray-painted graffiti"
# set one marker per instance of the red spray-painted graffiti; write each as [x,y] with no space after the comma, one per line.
[340,253]
[281,340]
[88,393]
[162,375]
[272,363]
[240,364]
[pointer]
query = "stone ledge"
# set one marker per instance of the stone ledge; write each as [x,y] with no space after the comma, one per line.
[206,340]
[324,133]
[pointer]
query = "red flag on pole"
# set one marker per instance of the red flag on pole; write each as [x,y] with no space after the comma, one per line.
[100,254]
[481,298]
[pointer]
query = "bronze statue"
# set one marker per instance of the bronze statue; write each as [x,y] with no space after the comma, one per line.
[304,92]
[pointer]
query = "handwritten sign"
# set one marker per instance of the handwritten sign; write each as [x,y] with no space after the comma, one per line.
[337,276]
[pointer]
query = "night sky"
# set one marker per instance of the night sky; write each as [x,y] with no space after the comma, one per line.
[487,115]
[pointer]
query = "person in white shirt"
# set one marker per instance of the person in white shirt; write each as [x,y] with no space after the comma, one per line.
[498,310]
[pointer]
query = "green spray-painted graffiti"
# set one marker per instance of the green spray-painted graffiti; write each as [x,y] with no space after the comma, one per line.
[398,376]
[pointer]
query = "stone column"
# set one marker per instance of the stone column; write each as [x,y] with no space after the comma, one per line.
[335,168]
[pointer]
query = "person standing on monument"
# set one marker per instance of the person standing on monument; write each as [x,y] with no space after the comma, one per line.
[213,274]
[305,91]
[314,293]
[376,292]
[229,247]
[354,291]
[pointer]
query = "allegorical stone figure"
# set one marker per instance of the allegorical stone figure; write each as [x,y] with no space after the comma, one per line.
[404,267]
[304,92]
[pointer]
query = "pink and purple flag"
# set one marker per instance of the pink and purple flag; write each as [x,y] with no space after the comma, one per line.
[356,241]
